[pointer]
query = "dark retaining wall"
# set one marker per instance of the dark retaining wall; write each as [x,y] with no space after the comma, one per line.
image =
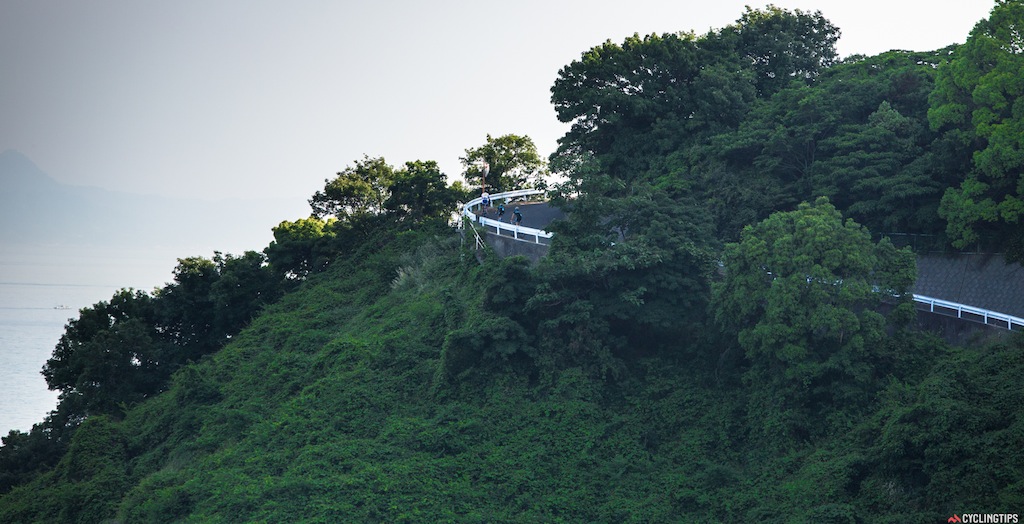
[509,247]
[958,331]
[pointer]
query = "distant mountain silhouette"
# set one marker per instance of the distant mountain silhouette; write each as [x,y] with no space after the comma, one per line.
[19,174]
[36,209]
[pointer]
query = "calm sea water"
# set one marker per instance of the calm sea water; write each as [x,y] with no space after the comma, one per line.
[41,288]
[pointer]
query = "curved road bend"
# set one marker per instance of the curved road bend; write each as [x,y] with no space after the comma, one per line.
[535,214]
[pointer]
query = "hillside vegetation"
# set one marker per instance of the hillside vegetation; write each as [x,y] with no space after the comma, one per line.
[719,332]
[363,397]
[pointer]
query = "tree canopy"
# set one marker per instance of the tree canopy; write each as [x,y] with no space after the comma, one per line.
[653,94]
[122,351]
[802,290]
[357,191]
[372,188]
[511,161]
[979,103]
[300,247]
[755,118]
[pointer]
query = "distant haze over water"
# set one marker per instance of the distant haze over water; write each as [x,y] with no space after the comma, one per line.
[37,210]
[63,248]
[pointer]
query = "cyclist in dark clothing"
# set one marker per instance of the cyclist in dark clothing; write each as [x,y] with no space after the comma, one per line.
[517,216]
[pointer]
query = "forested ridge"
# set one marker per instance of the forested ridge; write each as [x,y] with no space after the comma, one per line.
[721,331]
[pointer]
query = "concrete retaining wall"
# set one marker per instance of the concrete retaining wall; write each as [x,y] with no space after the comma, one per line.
[509,247]
[958,331]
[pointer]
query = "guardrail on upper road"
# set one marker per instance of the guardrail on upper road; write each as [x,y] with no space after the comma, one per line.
[520,233]
[963,311]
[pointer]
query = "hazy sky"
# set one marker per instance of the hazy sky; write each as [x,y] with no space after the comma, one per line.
[221,99]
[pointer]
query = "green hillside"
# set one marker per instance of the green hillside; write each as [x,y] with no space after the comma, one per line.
[348,401]
[721,331]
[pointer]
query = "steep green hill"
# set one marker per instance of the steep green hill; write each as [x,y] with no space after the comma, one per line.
[353,399]
[338,404]
[714,336]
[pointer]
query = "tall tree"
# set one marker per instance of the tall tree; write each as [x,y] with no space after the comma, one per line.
[512,163]
[246,284]
[300,247]
[648,97]
[979,100]
[359,190]
[112,354]
[373,190]
[783,46]
[624,274]
[802,290]
[419,191]
[187,310]
[858,134]
[866,172]
[614,94]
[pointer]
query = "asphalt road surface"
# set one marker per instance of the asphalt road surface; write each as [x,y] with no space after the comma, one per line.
[535,214]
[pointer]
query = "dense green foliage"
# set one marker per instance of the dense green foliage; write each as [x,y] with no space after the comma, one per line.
[301,247]
[695,117]
[402,385]
[372,189]
[802,289]
[978,101]
[714,336]
[504,163]
[122,351]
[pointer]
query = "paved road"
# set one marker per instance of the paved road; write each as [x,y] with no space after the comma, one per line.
[984,281]
[535,214]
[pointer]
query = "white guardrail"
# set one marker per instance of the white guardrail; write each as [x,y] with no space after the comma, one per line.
[529,234]
[976,314]
[520,233]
